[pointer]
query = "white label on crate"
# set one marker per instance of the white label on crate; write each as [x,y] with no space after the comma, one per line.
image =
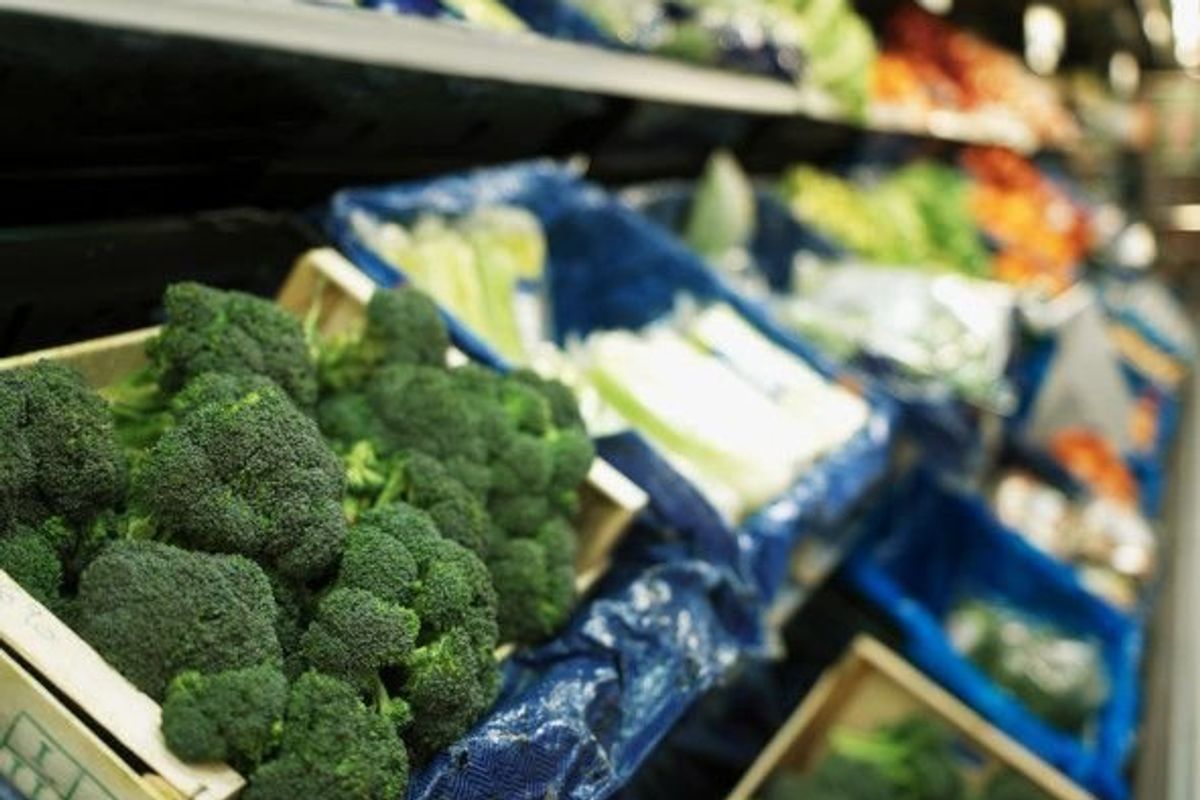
[35,763]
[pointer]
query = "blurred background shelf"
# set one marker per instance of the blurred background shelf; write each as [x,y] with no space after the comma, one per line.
[286,101]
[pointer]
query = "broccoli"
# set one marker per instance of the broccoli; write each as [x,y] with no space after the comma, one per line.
[400,584]
[59,453]
[916,755]
[209,330]
[31,560]
[448,683]
[421,481]
[403,327]
[535,581]
[355,635]
[234,716]
[250,476]
[1008,784]
[153,611]
[833,778]
[332,747]
[416,431]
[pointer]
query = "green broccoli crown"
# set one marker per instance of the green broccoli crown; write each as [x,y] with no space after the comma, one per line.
[30,559]
[452,587]
[209,330]
[1008,784]
[356,634]
[253,477]
[834,778]
[333,748]
[59,452]
[418,480]
[915,754]
[153,611]
[403,327]
[535,582]
[398,569]
[449,683]
[234,716]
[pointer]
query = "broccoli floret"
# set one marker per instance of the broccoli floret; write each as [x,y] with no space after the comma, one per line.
[153,611]
[209,330]
[418,480]
[234,716]
[59,453]
[332,748]
[293,604]
[1008,784]
[356,634]
[915,754]
[253,477]
[30,559]
[449,683]
[535,582]
[403,327]
[397,566]
[834,778]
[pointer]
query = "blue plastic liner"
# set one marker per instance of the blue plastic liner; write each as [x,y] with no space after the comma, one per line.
[931,548]
[577,715]
[947,428]
[580,713]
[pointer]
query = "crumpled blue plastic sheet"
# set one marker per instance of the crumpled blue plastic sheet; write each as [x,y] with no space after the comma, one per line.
[947,428]
[580,713]
[577,715]
[930,548]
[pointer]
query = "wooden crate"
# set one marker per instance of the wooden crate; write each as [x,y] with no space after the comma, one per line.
[44,743]
[873,686]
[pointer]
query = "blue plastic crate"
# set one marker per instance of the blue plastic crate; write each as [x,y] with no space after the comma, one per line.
[930,548]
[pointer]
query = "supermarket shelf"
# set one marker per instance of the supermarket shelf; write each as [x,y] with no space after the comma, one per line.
[344,33]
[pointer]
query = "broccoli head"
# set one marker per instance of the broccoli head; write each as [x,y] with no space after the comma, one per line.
[1008,784]
[332,747]
[398,569]
[31,560]
[535,581]
[153,611]
[250,476]
[59,452]
[915,754]
[403,327]
[452,587]
[355,635]
[833,778]
[418,480]
[449,683]
[233,716]
[210,330]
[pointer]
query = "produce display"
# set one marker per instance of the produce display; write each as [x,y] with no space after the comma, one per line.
[915,758]
[307,550]
[1059,677]
[941,328]
[1042,236]
[818,42]
[926,63]
[1112,545]
[762,417]
[915,216]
